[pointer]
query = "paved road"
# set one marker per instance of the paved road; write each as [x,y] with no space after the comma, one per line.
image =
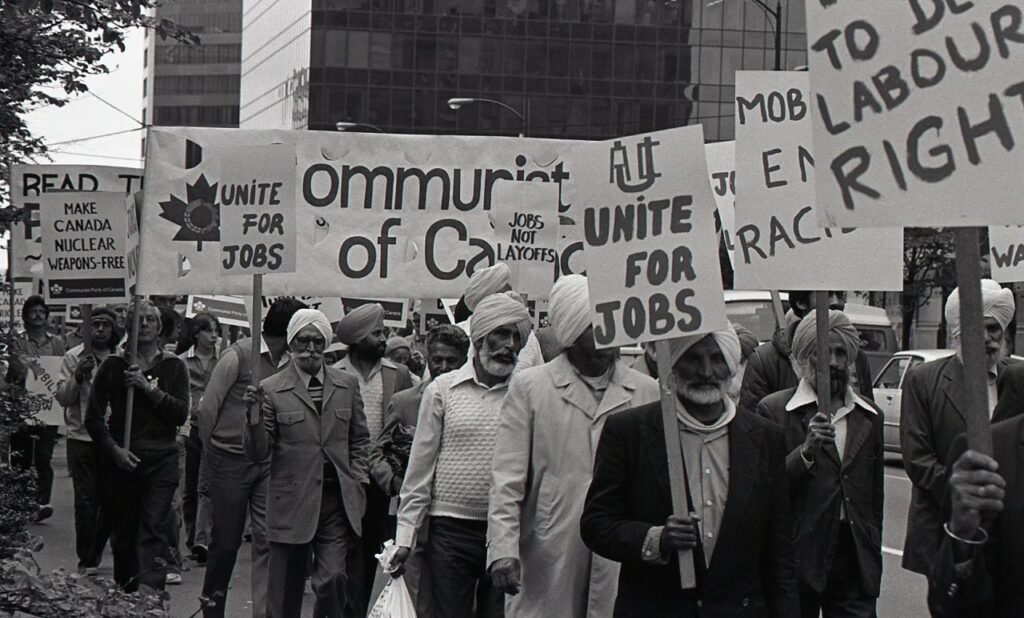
[903,593]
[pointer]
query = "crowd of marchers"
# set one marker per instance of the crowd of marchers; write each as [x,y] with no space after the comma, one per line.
[524,473]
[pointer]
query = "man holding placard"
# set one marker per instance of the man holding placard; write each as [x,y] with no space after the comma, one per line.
[740,531]
[547,434]
[142,478]
[835,466]
[932,416]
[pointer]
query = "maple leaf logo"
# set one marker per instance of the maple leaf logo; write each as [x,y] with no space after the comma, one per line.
[56,289]
[198,217]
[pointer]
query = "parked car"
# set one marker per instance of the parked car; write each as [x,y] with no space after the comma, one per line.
[888,390]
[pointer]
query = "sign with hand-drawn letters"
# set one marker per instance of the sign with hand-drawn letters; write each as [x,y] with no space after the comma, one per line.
[84,241]
[374,214]
[526,232]
[44,379]
[1006,252]
[30,182]
[778,242]
[650,245]
[722,173]
[917,111]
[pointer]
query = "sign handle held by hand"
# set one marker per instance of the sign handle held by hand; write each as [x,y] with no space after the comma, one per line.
[674,451]
[133,349]
[822,381]
[972,340]
[254,327]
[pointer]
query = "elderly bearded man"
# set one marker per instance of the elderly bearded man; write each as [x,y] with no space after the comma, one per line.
[449,474]
[932,416]
[835,467]
[740,533]
[313,429]
[547,435]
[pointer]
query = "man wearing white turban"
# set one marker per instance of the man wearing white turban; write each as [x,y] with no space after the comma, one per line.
[932,416]
[449,471]
[362,330]
[547,435]
[739,529]
[835,467]
[311,426]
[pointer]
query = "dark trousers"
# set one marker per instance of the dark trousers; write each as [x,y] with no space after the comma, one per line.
[190,495]
[236,486]
[456,570]
[91,525]
[378,527]
[139,504]
[32,447]
[289,564]
[843,596]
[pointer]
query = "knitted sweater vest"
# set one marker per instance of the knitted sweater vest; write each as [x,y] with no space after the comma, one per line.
[462,476]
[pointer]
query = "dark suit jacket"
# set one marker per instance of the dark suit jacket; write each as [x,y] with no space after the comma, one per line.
[995,585]
[403,410]
[817,492]
[931,417]
[1010,385]
[394,378]
[752,572]
[298,438]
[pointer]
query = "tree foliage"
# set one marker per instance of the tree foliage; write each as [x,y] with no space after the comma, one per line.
[929,264]
[47,50]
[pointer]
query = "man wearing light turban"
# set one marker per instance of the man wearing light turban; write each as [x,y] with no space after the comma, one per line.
[308,420]
[547,434]
[449,471]
[628,515]
[362,330]
[835,468]
[933,409]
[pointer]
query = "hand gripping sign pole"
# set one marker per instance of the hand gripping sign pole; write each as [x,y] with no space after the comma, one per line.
[674,453]
[972,340]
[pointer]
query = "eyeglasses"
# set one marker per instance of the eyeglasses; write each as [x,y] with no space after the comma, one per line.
[304,341]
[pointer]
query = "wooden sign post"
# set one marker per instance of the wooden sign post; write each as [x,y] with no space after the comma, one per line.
[133,349]
[254,327]
[972,340]
[822,372]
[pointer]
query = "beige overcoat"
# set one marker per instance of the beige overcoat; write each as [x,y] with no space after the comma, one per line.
[548,432]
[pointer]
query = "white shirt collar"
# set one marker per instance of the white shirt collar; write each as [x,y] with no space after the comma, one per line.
[805,394]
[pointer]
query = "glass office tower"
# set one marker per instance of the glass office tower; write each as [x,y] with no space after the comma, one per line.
[579,69]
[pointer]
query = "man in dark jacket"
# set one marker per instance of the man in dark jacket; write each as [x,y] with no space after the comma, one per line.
[141,478]
[770,368]
[932,416]
[978,570]
[835,467]
[741,537]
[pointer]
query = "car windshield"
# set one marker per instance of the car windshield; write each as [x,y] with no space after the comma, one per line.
[756,315]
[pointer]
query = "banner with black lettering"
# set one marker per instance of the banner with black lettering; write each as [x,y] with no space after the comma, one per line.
[917,111]
[650,243]
[1006,252]
[374,214]
[778,242]
[722,173]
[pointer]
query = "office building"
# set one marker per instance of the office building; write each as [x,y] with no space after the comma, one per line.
[577,68]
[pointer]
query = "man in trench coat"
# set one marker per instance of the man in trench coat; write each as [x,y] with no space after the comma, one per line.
[548,432]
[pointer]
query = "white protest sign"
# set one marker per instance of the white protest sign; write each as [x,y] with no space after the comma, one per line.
[1006,252]
[649,233]
[84,237]
[433,313]
[22,290]
[526,231]
[229,310]
[29,182]
[778,242]
[257,210]
[396,310]
[373,213]
[722,173]
[917,111]
[43,379]
[131,216]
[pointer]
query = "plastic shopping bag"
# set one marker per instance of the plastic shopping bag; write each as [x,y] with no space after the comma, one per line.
[394,600]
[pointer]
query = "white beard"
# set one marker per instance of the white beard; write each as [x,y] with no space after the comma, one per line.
[704,396]
[491,366]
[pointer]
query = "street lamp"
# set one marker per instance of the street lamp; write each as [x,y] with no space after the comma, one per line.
[455,103]
[777,16]
[348,126]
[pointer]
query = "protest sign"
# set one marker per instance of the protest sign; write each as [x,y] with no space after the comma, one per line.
[649,231]
[916,111]
[30,182]
[396,310]
[526,231]
[778,242]
[22,290]
[73,314]
[131,217]
[84,236]
[1006,252]
[722,173]
[229,310]
[373,213]
[257,209]
[432,313]
[43,379]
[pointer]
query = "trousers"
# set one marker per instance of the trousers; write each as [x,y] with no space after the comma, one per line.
[92,527]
